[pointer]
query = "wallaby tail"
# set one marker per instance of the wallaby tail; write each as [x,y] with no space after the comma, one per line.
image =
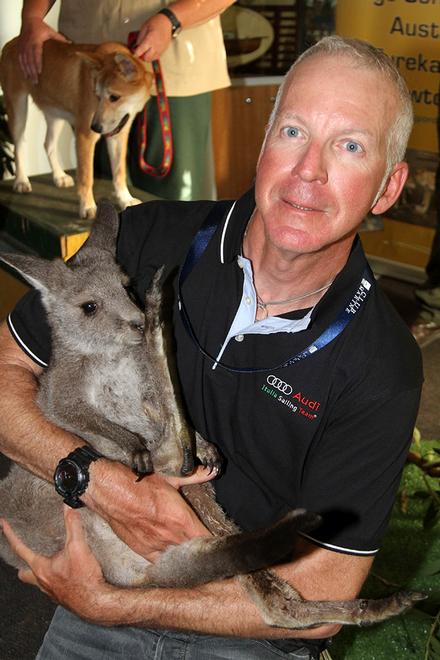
[204,559]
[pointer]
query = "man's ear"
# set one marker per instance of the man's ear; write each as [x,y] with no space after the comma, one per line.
[394,186]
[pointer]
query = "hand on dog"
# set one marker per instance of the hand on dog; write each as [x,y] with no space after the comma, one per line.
[154,38]
[34,33]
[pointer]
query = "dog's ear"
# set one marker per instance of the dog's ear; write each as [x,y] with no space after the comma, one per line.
[92,60]
[127,66]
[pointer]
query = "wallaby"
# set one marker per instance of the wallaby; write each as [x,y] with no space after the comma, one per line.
[109,382]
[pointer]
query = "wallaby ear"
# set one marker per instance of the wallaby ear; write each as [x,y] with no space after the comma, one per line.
[103,234]
[126,66]
[38,272]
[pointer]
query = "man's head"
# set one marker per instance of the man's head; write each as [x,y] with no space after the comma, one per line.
[334,145]
[366,55]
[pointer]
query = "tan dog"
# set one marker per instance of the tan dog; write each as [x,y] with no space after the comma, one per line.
[98,89]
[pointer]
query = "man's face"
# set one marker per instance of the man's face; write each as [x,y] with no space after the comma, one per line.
[324,158]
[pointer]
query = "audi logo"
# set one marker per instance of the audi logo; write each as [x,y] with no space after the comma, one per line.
[279,384]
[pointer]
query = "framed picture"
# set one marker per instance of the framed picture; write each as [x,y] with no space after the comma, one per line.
[418,201]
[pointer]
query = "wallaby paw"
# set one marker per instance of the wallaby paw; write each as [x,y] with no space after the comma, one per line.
[372,611]
[208,455]
[63,181]
[23,186]
[212,463]
[188,462]
[141,462]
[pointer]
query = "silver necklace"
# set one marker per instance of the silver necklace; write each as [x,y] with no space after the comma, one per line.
[264,305]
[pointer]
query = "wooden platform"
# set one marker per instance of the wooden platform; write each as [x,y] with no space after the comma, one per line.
[46,221]
[43,222]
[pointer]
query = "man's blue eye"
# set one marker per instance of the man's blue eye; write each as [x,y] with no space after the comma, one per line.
[291,131]
[353,147]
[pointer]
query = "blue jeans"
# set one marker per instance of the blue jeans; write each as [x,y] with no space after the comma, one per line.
[70,638]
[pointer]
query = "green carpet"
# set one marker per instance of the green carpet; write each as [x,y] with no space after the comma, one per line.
[409,559]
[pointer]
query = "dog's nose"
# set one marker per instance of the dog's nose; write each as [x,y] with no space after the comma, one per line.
[96,127]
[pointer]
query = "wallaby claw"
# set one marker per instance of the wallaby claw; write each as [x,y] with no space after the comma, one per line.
[212,465]
[188,462]
[208,456]
[408,598]
[141,462]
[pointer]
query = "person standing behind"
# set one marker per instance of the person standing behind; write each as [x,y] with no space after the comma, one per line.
[186,35]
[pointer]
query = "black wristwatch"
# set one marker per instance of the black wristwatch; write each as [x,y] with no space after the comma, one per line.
[176,26]
[72,475]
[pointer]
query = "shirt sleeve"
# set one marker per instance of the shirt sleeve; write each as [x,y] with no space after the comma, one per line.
[28,326]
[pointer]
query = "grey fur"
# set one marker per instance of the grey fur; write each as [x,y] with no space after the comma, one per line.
[109,382]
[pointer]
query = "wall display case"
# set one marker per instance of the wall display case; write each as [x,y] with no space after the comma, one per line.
[264,37]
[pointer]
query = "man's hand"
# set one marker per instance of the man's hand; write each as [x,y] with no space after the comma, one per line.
[34,33]
[148,515]
[154,38]
[72,577]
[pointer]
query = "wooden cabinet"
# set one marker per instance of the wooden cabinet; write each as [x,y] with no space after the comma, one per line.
[239,117]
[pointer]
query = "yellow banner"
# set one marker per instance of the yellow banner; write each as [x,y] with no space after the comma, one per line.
[409,31]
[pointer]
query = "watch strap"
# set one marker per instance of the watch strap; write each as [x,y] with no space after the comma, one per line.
[176,25]
[82,457]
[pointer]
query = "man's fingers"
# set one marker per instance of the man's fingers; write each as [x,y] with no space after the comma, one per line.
[201,475]
[26,575]
[60,37]
[73,524]
[17,544]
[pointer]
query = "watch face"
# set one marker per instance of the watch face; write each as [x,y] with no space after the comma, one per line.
[66,477]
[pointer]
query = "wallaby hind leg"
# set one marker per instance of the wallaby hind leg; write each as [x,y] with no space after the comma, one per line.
[281,606]
[204,559]
[54,128]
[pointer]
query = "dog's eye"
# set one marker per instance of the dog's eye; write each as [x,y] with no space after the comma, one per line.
[89,308]
[113,98]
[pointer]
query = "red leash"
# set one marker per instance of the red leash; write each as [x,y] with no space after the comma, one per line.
[165,123]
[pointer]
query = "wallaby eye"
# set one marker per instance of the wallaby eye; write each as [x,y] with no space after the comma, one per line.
[89,307]
[113,98]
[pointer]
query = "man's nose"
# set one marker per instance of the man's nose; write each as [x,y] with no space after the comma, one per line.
[311,165]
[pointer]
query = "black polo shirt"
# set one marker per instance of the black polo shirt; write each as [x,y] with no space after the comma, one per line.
[329,433]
